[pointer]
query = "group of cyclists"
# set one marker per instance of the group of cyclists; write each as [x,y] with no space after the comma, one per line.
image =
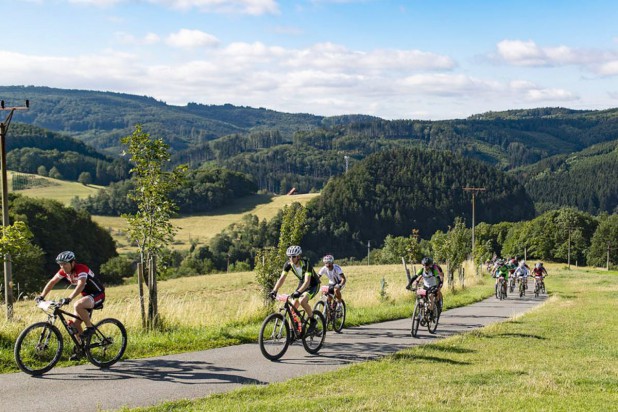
[517,271]
[92,291]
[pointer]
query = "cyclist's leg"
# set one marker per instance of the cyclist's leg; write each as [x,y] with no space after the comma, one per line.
[81,309]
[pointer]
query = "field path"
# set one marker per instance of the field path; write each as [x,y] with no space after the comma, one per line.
[143,382]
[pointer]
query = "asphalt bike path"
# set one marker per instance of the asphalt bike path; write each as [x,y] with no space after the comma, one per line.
[149,381]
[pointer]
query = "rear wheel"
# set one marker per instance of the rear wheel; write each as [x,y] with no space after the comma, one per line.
[434,317]
[274,336]
[320,306]
[107,344]
[339,317]
[38,348]
[313,341]
[537,288]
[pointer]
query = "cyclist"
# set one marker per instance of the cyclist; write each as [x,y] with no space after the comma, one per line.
[86,283]
[432,275]
[539,273]
[308,282]
[522,272]
[336,278]
[501,269]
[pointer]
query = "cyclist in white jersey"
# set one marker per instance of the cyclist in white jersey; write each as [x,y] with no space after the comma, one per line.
[334,273]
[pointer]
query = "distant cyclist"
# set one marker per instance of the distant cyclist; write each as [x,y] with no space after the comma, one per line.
[86,283]
[432,275]
[539,273]
[501,270]
[308,282]
[336,278]
[522,272]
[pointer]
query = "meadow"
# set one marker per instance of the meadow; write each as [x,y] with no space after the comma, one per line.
[217,310]
[561,356]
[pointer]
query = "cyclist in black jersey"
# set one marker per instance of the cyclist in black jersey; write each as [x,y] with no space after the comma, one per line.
[308,281]
[86,283]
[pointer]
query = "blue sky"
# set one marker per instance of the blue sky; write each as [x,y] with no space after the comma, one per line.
[394,59]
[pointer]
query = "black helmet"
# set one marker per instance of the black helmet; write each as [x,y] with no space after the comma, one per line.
[427,261]
[65,257]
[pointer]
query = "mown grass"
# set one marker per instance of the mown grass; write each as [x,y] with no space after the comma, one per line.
[226,309]
[561,356]
[60,190]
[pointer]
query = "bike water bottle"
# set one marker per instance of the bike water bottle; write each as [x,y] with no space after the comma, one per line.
[71,328]
[299,325]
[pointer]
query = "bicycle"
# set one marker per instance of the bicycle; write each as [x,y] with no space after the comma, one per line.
[423,314]
[39,347]
[334,314]
[512,283]
[523,285]
[287,325]
[501,288]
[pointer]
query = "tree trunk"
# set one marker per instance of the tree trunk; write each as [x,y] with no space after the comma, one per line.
[153,312]
[140,281]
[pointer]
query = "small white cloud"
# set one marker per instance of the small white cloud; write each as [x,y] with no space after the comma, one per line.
[550,95]
[189,39]
[609,68]
[252,7]
[147,40]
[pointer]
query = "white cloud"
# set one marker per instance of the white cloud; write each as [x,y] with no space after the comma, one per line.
[147,40]
[252,7]
[189,39]
[609,68]
[529,91]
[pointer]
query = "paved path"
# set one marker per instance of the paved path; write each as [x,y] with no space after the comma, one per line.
[150,381]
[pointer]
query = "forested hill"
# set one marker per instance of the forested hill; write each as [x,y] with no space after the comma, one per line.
[395,191]
[587,180]
[31,149]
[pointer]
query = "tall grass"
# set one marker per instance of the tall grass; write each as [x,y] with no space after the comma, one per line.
[224,309]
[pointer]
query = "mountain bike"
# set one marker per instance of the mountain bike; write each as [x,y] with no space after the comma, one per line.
[425,313]
[523,285]
[39,347]
[512,283]
[287,325]
[333,312]
[501,288]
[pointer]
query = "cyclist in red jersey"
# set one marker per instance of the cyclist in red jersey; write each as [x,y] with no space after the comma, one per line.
[86,283]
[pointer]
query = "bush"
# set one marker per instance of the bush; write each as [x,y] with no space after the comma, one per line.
[115,269]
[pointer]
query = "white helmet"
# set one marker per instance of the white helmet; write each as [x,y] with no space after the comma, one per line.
[294,251]
[539,265]
[328,259]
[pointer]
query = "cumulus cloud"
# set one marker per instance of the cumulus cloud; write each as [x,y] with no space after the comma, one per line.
[147,40]
[529,91]
[253,7]
[189,39]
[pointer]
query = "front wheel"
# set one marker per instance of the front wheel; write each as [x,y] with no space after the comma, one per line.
[434,317]
[313,341]
[38,348]
[274,336]
[107,344]
[321,307]
[339,317]
[416,320]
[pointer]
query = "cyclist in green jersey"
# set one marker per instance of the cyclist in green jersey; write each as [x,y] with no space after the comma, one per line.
[501,269]
[308,281]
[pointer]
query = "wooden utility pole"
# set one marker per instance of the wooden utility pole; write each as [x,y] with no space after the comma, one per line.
[8,276]
[474,191]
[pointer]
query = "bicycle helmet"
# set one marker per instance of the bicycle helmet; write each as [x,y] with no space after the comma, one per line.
[294,251]
[65,257]
[328,259]
[539,265]
[427,261]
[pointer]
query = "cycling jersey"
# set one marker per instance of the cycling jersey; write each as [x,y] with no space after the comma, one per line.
[431,277]
[94,287]
[334,275]
[502,271]
[539,271]
[304,268]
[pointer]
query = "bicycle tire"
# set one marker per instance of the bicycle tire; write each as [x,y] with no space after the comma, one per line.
[432,323]
[313,341]
[321,307]
[35,349]
[339,318]
[416,320]
[107,344]
[274,336]
[536,290]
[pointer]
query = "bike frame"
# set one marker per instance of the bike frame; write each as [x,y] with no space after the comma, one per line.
[289,309]
[58,313]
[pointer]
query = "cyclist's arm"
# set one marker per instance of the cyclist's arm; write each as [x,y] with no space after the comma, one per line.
[306,282]
[343,279]
[81,284]
[50,285]
[280,281]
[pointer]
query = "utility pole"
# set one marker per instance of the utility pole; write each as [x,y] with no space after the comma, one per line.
[474,191]
[368,249]
[347,159]
[608,249]
[8,276]
[569,250]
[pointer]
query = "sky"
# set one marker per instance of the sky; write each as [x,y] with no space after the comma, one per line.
[416,59]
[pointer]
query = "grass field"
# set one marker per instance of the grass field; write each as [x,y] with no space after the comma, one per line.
[202,228]
[561,356]
[205,311]
[60,190]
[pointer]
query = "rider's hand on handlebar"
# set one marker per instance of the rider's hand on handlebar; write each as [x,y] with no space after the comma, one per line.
[272,295]
[38,299]
[296,294]
[64,301]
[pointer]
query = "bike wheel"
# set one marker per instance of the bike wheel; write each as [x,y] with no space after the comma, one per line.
[536,290]
[339,318]
[38,348]
[416,320]
[434,317]
[274,336]
[320,306]
[107,344]
[313,341]
[522,290]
